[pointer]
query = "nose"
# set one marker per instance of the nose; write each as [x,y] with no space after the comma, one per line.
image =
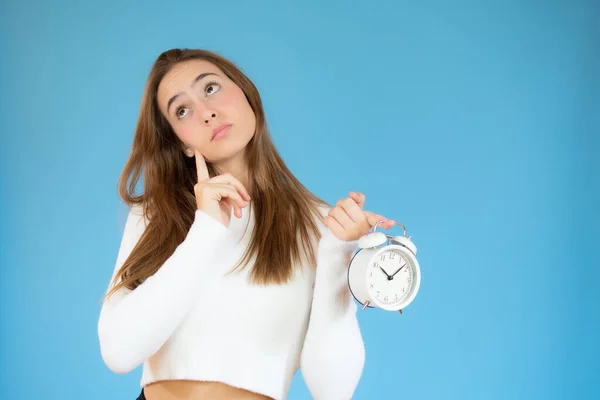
[209,116]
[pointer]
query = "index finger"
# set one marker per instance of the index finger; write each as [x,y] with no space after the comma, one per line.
[201,168]
[359,198]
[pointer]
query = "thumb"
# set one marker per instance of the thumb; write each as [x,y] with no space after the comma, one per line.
[373,218]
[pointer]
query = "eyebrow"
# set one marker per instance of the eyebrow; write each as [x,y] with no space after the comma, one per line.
[194,82]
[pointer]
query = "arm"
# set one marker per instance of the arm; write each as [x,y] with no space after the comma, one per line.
[133,325]
[333,355]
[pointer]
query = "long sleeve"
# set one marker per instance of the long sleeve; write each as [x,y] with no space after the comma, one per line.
[333,354]
[134,324]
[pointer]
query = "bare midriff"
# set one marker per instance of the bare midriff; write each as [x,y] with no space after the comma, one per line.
[197,390]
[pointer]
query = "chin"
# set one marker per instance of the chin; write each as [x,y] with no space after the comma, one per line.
[225,153]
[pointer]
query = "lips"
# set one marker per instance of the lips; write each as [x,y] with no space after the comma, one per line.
[220,131]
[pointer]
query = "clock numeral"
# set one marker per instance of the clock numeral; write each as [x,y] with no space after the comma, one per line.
[371,286]
[385,298]
[378,294]
[396,296]
[392,256]
[383,257]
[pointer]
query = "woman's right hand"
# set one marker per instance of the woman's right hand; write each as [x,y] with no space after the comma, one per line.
[215,196]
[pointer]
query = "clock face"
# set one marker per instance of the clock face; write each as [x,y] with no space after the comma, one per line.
[390,277]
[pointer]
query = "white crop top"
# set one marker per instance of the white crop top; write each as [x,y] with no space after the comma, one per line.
[194,319]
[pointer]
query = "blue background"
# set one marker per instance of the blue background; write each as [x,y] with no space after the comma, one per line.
[474,123]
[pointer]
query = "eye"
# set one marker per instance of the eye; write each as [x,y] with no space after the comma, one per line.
[181,112]
[211,88]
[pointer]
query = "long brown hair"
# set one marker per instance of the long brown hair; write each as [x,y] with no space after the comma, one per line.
[280,201]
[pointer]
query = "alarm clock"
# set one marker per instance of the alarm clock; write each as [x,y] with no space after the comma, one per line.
[384,272]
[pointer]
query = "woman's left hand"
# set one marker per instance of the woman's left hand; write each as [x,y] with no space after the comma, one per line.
[348,221]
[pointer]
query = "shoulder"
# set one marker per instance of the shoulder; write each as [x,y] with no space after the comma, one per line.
[322,211]
[135,221]
[136,214]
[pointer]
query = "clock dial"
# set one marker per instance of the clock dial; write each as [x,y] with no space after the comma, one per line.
[390,277]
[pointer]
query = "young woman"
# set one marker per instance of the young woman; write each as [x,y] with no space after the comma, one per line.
[230,275]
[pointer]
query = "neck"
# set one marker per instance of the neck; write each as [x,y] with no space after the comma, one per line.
[237,167]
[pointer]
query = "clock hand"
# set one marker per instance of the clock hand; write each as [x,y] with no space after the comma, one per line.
[397,271]
[386,274]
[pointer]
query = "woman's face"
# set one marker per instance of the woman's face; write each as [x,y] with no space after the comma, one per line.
[207,111]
